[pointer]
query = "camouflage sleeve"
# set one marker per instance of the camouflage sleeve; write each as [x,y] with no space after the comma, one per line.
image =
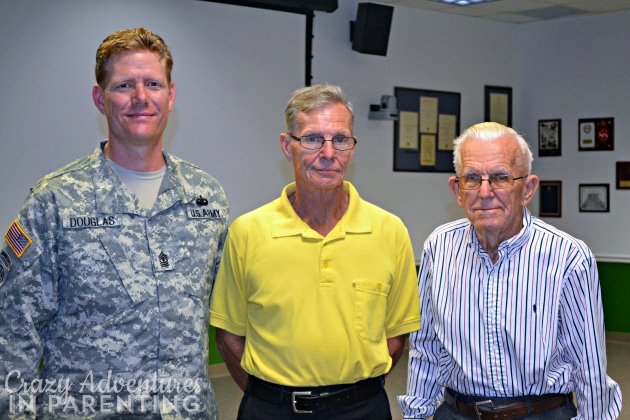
[217,260]
[28,300]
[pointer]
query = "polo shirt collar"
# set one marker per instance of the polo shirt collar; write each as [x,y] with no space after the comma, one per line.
[288,223]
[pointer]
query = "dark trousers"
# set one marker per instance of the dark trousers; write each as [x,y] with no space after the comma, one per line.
[375,408]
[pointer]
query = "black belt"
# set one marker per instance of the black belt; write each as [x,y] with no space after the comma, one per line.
[306,400]
[489,409]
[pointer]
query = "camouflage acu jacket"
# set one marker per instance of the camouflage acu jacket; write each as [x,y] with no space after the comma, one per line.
[104,304]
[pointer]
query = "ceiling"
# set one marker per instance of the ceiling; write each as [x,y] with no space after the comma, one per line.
[520,11]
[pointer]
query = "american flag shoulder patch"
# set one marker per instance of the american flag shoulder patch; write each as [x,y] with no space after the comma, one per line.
[17,239]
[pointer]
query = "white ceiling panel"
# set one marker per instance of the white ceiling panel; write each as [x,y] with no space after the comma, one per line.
[520,11]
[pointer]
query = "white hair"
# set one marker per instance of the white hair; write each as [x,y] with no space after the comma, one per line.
[488,131]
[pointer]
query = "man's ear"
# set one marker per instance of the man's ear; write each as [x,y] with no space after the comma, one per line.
[97,97]
[453,185]
[531,185]
[172,92]
[285,146]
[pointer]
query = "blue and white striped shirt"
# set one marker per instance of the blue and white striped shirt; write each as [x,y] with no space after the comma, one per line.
[530,324]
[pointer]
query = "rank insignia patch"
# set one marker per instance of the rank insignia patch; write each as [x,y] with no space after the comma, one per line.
[17,239]
[5,266]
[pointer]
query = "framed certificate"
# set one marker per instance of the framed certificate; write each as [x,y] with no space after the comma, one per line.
[423,135]
[498,105]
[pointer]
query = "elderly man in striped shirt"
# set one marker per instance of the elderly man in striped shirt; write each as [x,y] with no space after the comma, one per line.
[512,320]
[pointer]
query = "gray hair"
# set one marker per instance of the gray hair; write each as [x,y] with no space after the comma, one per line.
[489,131]
[310,97]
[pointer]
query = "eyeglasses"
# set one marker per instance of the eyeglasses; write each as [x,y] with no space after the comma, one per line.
[497,182]
[317,142]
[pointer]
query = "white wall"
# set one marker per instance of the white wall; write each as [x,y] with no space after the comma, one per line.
[427,50]
[235,68]
[578,68]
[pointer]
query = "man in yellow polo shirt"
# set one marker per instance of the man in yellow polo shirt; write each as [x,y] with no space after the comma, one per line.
[316,290]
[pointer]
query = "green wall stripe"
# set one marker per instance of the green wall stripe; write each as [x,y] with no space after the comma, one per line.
[615,283]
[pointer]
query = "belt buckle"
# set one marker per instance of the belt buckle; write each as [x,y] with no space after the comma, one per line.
[478,403]
[299,393]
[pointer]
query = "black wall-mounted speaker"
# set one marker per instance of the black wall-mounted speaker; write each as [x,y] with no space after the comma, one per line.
[370,33]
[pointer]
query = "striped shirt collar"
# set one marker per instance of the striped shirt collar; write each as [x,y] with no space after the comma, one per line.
[508,247]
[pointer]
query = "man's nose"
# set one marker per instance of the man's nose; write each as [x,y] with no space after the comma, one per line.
[485,189]
[327,149]
[140,95]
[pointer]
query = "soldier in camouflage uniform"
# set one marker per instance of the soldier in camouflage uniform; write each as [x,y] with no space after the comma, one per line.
[105,282]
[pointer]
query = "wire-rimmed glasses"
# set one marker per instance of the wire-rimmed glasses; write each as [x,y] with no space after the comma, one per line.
[316,142]
[497,182]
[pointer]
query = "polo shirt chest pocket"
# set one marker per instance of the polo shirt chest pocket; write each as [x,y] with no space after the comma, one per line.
[370,304]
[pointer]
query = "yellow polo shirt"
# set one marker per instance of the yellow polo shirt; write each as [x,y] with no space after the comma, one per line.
[316,310]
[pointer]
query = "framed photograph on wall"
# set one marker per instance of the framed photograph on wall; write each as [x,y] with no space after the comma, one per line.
[498,104]
[595,198]
[550,198]
[549,137]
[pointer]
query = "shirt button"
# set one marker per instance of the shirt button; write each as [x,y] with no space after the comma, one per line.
[326,265]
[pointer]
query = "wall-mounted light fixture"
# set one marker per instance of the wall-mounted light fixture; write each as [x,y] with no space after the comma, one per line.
[386,110]
[463,2]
